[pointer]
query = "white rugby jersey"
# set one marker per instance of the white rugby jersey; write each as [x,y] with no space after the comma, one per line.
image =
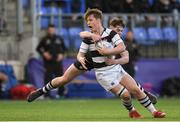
[88,45]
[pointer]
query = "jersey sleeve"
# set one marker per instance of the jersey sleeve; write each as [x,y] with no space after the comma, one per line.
[84,46]
[116,39]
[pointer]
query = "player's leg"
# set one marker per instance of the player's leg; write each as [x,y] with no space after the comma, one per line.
[110,82]
[122,92]
[131,86]
[68,76]
[151,96]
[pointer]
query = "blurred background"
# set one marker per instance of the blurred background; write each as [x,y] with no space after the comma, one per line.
[154,23]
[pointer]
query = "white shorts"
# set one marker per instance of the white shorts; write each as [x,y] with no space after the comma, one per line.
[110,78]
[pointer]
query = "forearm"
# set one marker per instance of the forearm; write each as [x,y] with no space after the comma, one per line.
[117,50]
[124,58]
[85,34]
[122,61]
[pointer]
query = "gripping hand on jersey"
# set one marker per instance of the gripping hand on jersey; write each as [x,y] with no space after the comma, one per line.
[81,58]
[82,61]
[104,51]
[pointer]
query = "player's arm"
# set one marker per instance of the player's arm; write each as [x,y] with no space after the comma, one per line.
[117,41]
[113,51]
[122,60]
[82,51]
[87,34]
[81,58]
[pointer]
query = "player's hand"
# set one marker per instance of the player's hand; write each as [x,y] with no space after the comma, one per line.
[47,56]
[104,51]
[95,37]
[82,61]
[110,61]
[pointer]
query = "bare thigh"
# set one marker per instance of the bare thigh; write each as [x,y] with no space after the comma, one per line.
[72,72]
[128,82]
[67,77]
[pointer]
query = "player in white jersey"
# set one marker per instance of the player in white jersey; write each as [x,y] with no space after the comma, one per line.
[73,71]
[118,25]
[70,73]
[110,76]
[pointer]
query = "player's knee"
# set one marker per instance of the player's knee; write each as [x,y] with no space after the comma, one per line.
[126,96]
[136,91]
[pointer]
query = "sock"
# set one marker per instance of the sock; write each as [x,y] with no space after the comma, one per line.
[47,87]
[121,91]
[147,104]
[127,103]
[142,89]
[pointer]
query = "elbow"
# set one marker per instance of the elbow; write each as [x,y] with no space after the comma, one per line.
[127,59]
[77,56]
[84,34]
[81,34]
[123,48]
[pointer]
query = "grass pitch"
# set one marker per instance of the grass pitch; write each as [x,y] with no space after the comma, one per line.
[82,110]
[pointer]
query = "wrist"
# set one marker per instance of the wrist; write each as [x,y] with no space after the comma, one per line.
[115,61]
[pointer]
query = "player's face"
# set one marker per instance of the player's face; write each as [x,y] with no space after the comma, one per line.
[92,23]
[118,29]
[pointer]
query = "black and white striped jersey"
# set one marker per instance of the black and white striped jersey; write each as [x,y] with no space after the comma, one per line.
[87,45]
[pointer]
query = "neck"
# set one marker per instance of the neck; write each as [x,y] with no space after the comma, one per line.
[99,30]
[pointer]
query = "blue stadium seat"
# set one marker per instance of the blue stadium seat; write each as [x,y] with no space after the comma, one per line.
[155,34]
[151,2]
[66,8]
[52,10]
[44,20]
[65,5]
[74,36]
[170,34]
[140,35]
[82,4]
[65,34]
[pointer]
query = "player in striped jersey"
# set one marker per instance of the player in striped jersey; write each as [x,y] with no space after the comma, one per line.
[118,25]
[75,70]
[110,76]
[72,72]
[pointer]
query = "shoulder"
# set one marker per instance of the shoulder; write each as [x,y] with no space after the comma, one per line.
[110,32]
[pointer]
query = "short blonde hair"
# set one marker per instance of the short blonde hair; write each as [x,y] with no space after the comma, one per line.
[94,11]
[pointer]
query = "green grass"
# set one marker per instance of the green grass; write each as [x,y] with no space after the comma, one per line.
[82,110]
